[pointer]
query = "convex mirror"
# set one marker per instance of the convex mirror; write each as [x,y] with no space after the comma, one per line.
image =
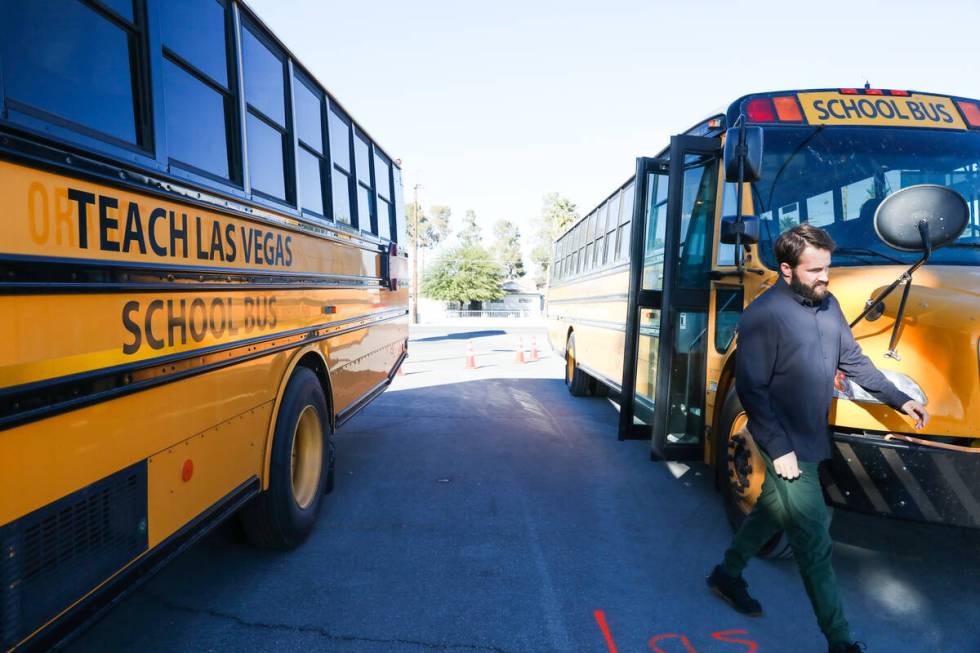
[943,210]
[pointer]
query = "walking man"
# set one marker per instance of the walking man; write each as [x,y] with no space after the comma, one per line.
[791,341]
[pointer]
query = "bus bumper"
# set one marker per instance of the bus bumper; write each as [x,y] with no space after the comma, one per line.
[870,474]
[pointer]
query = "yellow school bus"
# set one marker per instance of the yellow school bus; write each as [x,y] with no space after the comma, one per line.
[646,291]
[201,278]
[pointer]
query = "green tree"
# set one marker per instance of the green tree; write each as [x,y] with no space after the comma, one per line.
[507,248]
[557,213]
[464,274]
[470,235]
[433,228]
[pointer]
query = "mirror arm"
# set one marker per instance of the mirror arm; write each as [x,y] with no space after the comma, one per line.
[927,246]
[906,278]
[738,195]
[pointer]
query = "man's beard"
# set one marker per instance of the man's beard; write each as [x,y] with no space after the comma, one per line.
[814,294]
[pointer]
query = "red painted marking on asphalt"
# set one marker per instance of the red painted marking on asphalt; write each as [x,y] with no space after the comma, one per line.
[723,636]
[656,638]
[600,618]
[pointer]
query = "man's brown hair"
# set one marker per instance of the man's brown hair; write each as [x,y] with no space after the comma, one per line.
[792,242]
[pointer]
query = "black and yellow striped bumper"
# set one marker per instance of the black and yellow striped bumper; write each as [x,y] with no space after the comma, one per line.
[870,474]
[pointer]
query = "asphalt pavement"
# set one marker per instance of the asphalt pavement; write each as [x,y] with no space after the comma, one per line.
[487,510]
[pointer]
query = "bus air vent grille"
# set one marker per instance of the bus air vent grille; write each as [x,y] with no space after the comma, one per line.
[54,555]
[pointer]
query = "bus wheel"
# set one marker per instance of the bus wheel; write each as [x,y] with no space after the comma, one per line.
[282,516]
[576,380]
[742,471]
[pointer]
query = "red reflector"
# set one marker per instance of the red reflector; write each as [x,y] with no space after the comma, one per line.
[849,91]
[787,109]
[970,111]
[874,91]
[760,110]
[901,93]
[187,471]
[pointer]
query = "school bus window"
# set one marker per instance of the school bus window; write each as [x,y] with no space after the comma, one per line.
[309,115]
[600,227]
[67,78]
[310,165]
[189,100]
[362,169]
[382,177]
[196,90]
[340,181]
[612,224]
[309,168]
[697,229]
[264,78]
[195,32]
[265,124]
[600,234]
[623,231]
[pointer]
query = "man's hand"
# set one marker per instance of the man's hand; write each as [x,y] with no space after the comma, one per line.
[786,466]
[916,411]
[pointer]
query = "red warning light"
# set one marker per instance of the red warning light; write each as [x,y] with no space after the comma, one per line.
[760,110]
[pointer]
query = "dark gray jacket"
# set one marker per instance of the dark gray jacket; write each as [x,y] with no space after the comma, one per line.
[788,354]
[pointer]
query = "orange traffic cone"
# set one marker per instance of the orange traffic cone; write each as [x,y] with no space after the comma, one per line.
[534,348]
[470,356]
[519,356]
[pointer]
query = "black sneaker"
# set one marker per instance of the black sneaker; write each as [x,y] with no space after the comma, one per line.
[847,647]
[735,591]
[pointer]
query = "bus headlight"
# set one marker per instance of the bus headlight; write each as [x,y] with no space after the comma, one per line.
[844,388]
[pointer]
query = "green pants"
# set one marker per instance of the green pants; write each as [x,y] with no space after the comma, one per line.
[796,507]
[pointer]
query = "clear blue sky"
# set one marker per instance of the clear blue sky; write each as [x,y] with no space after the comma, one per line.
[491,105]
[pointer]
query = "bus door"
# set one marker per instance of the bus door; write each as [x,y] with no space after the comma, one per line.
[667,323]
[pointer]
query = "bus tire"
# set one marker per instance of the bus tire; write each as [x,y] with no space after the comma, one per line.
[576,380]
[283,515]
[740,472]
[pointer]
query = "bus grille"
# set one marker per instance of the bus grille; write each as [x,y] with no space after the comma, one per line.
[54,555]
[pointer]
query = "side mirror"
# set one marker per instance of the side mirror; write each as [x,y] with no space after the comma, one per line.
[752,167]
[921,218]
[748,227]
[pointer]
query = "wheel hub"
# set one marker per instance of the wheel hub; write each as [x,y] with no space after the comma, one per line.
[746,470]
[306,459]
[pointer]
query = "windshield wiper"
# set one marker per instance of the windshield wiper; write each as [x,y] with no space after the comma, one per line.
[862,250]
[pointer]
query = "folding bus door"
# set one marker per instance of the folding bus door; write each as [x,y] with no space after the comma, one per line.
[667,322]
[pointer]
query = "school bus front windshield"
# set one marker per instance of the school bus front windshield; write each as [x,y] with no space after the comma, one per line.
[835,178]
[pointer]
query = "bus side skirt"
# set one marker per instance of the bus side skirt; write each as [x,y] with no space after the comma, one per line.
[66,627]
